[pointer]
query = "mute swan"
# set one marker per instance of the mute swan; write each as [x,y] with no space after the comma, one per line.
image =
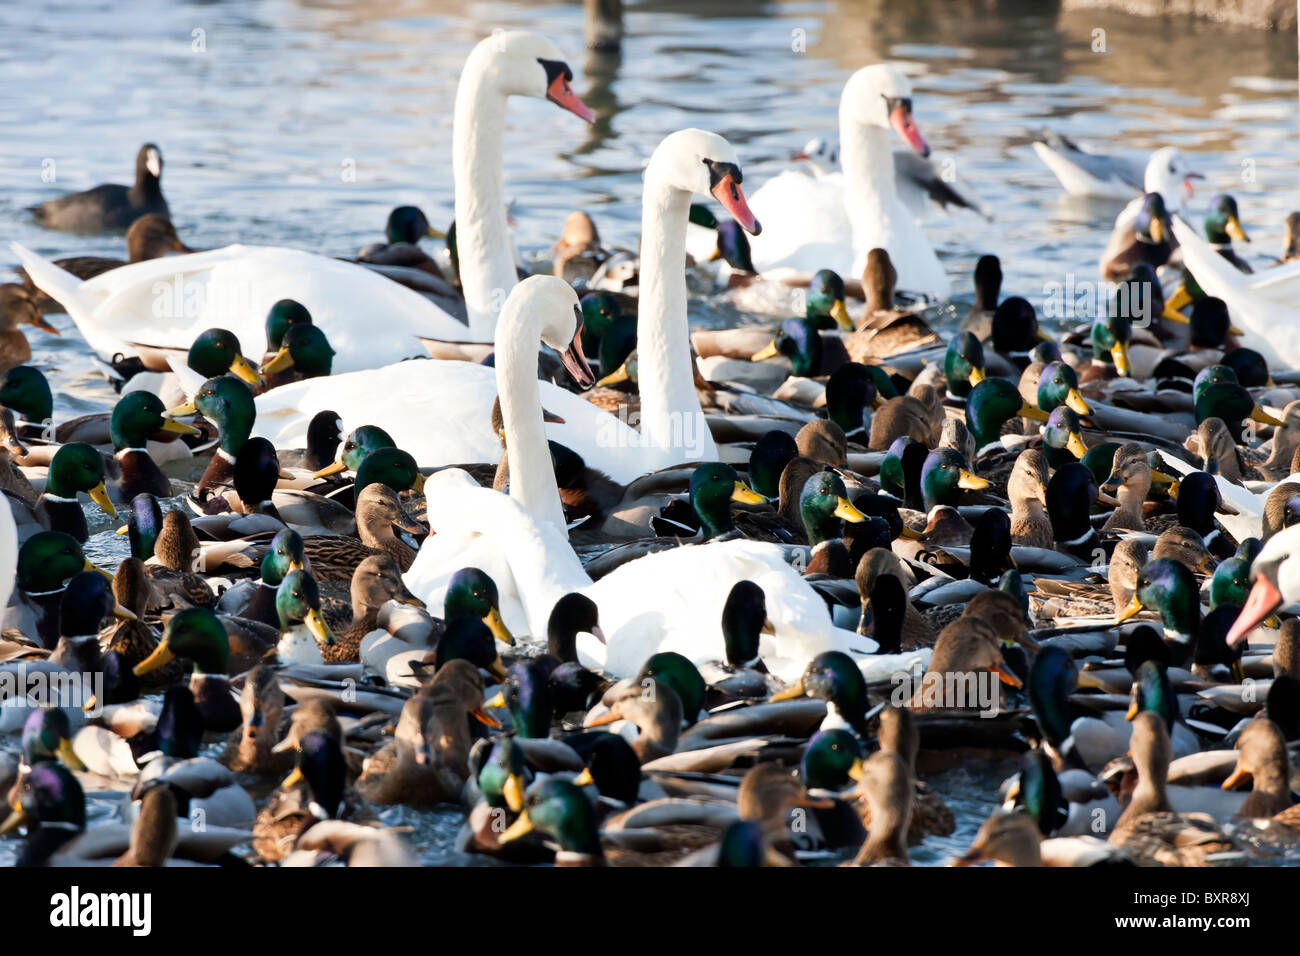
[168,302]
[1262,305]
[439,411]
[650,604]
[817,223]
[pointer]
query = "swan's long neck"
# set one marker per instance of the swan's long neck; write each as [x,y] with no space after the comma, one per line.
[867,162]
[672,422]
[532,475]
[487,269]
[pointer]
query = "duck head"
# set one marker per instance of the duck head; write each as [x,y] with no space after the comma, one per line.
[744,620]
[26,390]
[408,224]
[216,352]
[257,470]
[1015,327]
[944,475]
[771,454]
[824,305]
[823,505]
[76,467]
[47,737]
[392,467]
[1232,403]
[297,601]
[832,759]
[991,404]
[281,316]
[137,416]
[558,809]
[196,634]
[1168,588]
[48,559]
[1152,223]
[832,676]
[303,348]
[228,403]
[800,342]
[1110,336]
[1059,385]
[677,672]
[963,363]
[1222,224]
[87,600]
[714,486]
[472,595]
[354,448]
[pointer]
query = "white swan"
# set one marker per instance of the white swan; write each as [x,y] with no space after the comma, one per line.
[369,320]
[660,602]
[817,223]
[1263,305]
[1276,573]
[439,411]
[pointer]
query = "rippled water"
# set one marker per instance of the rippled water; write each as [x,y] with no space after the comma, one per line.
[258,128]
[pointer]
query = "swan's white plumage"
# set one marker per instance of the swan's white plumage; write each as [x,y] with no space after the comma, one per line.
[234,288]
[1264,310]
[440,412]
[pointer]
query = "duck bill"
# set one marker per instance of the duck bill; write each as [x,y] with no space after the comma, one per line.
[498,701]
[609,717]
[1238,672]
[1076,402]
[88,566]
[1032,412]
[553,419]
[513,791]
[1178,300]
[68,757]
[742,494]
[99,495]
[615,377]
[417,484]
[768,351]
[727,192]
[295,777]
[180,411]
[1119,354]
[278,362]
[1234,229]
[497,626]
[1172,314]
[44,326]
[338,466]
[1134,605]
[1157,231]
[584,779]
[598,633]
[793,692]
[15,819]
[1006,676]
[483,717]
[976,376]
[911,534]
[123,613]
[318,628]
[561,94]
[161,656]
[1237,780]
[856,770]
[1258,414]
[900,118]
[844,509]
[840,313]
[1264,598]
[178,428]
[970,481]
[520,828]
[243,370]
[575,363]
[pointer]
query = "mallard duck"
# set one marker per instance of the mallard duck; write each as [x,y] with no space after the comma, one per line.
[252,748]
[887,789]
[376,581]
[882,561]
[304,353]
[17,309]
[1027,492]
[46,562]
[303,631]
[655,708]
[410,770]
[227,403]
[1169,588]
[52,806]
[917,416]
[109,206]
[334,558]
[1222,226]
[944,475]
[315,790]
[136,416]
[832,676]
[405,227]
[990,405]
[883,330]
[171,551]
[561,811]
[1059,385]
[963,364]
[1151,242]
[1063,437]
[1148,830]
[75,467]
[198,635]
[1070,495]
[988,287]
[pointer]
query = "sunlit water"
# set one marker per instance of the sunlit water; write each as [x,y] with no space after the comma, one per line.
[264,115]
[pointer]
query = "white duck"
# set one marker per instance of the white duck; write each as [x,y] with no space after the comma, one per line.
[1262,305]
[439,412]
[650,604]
[167,302]
[817,223]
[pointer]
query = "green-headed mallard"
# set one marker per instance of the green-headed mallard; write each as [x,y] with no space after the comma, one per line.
[1222,226]
[944,475]
[46,562]
[199,636]
[963,364]
[75,467]
[1059,385]
[1151,242]
[991,404]
[135,417]
[227,403]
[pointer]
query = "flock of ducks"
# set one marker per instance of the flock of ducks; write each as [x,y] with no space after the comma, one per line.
[724,599]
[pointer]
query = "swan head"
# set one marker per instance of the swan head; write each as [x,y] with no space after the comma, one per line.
[520,63]
[561,316]
[1169,174]
[881,96]
[1276,574]
[698,161]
